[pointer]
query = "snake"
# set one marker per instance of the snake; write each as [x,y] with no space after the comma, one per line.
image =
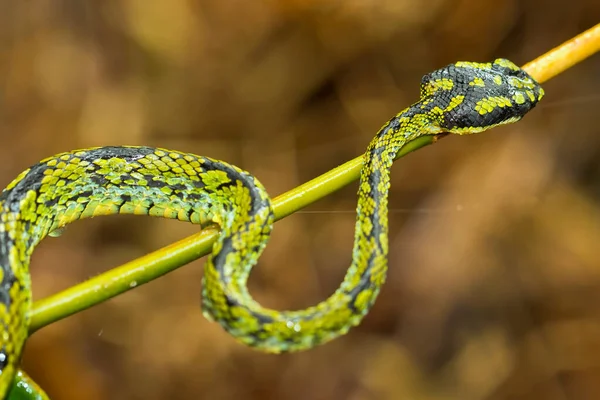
[461,98]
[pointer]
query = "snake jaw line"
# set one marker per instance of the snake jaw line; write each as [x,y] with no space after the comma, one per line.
[461,98]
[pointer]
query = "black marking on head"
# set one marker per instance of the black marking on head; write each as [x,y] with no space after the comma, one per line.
[465,115]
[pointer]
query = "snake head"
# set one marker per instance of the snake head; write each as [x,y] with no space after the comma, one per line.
[472,97]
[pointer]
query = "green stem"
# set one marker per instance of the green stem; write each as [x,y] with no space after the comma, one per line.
[171,257]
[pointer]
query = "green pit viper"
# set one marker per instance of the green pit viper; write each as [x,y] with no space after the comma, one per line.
[461,98]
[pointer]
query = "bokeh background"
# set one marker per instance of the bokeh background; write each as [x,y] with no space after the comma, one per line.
[494,283]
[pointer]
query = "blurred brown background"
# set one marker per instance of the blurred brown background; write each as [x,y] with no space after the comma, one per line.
[494,284]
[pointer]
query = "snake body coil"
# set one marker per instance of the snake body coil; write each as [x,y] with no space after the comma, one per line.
[461,98]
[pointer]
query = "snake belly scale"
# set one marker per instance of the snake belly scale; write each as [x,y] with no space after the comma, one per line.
[462,98]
